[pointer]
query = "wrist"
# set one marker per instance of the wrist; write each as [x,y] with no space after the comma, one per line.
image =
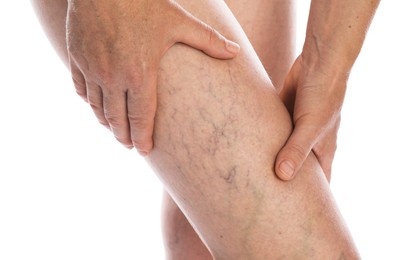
[320,56]
[335,33]
[320,71]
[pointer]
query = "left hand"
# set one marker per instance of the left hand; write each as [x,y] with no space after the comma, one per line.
[314,97]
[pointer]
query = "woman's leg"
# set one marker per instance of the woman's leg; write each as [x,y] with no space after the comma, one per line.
[270,27]
[218,129]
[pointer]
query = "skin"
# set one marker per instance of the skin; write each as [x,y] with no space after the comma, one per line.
[121,87]
[219,126]
[315,87]
[215,149]
[117,75]
[114,63]
[275,47]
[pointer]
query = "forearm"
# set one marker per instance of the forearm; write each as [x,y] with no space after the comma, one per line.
[335,33]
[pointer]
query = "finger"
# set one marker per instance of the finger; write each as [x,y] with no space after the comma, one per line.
[325,149]
[95,100]
[78,80]
[291,157]
[325,163]
[287,92]
[115,112]
[141,107]
[325,152]
[199,35]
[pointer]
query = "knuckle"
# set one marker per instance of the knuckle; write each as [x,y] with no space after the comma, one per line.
[298,151]
[142,144]
[114,120]
[78,82]
[80,86]
[95,106]
[140,122]
[211,33]
[141,127]
[82,92]
[103,122]
[102,73]
[104,76]
[123,140]
[134,76]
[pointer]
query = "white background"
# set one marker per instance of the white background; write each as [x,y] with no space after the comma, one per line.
[69,191]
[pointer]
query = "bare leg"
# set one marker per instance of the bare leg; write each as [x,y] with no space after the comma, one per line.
[270,27]
[219,127]
[180,239]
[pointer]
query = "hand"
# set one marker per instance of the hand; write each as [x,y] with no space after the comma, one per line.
[115,48]
[314,97]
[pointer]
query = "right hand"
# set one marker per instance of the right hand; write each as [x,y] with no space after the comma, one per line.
[115,48]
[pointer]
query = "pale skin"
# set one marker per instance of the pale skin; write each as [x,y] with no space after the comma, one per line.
[114,65]
[218,129]
[121,85]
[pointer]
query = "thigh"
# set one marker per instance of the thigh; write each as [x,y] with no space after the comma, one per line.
[219,126]
[271,27]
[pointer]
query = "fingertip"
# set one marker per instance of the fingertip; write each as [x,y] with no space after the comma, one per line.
[106,125]
[144,152]
[145,148]
[232,47]
[128,146]
[142,131]
[286,170]
[205,38]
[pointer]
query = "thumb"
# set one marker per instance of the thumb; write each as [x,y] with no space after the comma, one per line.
[291,157]
[202,36]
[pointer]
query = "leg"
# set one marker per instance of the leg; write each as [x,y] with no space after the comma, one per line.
[275,48]
[218,129]
[216,139]
[180,239]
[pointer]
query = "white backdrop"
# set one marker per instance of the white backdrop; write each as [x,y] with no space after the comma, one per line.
[69,191]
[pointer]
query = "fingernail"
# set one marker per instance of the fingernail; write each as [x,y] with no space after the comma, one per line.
[232,46]
[287,169]
[143,153]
